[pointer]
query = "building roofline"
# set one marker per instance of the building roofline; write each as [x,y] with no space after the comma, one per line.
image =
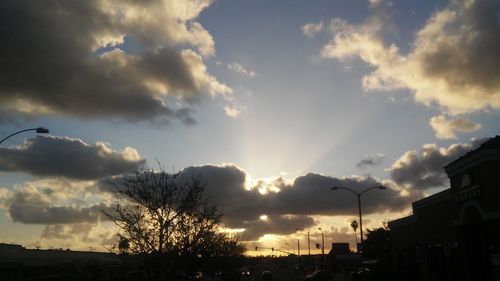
[403,221]
[493,144]
[432,199]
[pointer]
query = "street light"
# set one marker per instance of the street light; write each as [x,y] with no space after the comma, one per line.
[293,247]
[298,241]
[358,194]
[39,130]
[287,251]
[308,244]
[322,246]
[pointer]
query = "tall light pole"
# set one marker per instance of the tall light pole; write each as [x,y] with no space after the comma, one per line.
[359,194]
[322,246]
[298,241]
[39,130]
[308,243]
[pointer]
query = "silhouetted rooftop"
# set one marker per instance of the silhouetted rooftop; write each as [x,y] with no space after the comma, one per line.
[492,143]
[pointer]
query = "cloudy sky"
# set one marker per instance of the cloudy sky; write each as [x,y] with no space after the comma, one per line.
[273,102]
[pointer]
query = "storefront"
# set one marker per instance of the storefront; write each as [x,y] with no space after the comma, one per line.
[455,234]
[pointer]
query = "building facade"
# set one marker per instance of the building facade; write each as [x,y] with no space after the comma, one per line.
[454,234]
[19,263]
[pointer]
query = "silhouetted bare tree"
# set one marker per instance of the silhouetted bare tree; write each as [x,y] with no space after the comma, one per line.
[165,215]
[123,245]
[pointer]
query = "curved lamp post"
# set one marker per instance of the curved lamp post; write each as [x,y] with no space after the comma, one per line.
[39,130]
[293,247]
[359,194]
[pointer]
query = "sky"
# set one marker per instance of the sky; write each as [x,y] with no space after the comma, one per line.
[272,102]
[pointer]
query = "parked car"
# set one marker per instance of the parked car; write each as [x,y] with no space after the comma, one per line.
[135,276]
[266,275]
[320,275]
[362,273]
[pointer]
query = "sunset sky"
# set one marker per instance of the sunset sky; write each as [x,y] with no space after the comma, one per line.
[272,102]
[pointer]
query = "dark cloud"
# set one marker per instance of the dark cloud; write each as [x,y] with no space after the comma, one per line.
[335,234]
[78,236]
[284,225]
[72,158]
[55,231]
[67,58]
[244,204]
[66,232]
[311,194]
[370,161]
[226,189]
[423,170]
[265,206]
[308,195]
[32,208]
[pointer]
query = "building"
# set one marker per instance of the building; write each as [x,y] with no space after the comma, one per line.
[19,263]
[340,256]
[454,234]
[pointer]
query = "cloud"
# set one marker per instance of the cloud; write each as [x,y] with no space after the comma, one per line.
[285,224]
[286,204]
[243,201]
[77,233]
[445,128]
[424,169]
[375,3]
[311,29]
[370,160]
[33,208]
[67,157]
[453,60]
[55,201]
[238,68]
[78,236]
[233,110]
[125,60]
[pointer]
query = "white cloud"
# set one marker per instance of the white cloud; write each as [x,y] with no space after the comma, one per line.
[233,110]
[311,29]
[447,128]
[375,3]
[453,60]
[203,80]
[238,68]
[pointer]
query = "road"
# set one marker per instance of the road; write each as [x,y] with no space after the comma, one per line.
[280,273]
